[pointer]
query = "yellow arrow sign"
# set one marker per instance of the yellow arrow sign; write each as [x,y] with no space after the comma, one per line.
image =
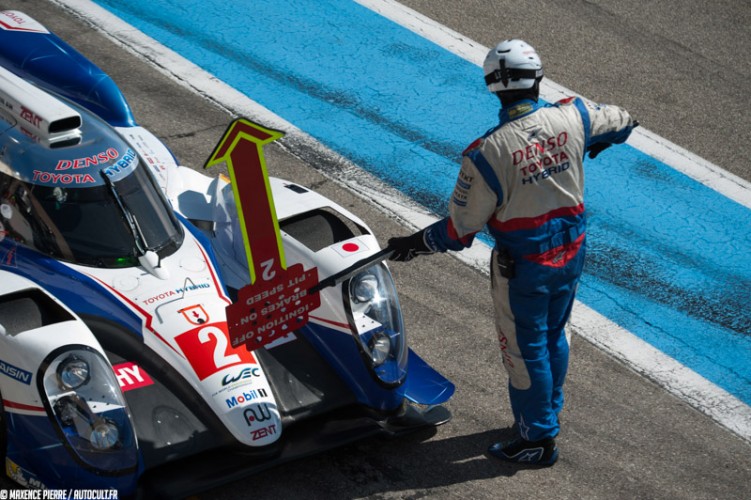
[241,148]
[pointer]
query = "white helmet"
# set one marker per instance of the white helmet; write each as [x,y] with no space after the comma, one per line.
[511,65]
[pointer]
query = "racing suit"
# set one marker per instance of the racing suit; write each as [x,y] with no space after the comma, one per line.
[524,179]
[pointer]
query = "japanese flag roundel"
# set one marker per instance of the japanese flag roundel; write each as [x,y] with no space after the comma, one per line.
[351,247]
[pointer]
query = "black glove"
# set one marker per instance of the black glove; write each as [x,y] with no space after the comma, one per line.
[408,247]
[598,148]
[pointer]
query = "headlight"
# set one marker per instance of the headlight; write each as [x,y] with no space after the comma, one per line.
[72,373]
[105,434]
[88,409]
[376,319]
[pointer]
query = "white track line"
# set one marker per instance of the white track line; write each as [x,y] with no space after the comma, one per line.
[709,174]
[715,402]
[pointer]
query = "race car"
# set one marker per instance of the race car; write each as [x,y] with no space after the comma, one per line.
[117,269]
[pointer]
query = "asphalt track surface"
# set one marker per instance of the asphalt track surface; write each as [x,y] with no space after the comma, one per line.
[682,69]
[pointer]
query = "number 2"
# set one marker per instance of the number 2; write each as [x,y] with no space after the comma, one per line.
[221,358]
[268,271]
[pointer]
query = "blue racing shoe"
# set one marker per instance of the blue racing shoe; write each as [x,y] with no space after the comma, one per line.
[543,452]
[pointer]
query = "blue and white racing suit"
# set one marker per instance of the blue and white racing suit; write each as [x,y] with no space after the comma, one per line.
[524,179]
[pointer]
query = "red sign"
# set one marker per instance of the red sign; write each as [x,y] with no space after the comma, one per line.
[276,302]
[269,310]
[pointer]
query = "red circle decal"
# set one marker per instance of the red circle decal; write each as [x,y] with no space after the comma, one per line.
[350,247]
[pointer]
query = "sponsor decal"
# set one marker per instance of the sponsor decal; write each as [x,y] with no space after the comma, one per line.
[543,174]
[245,397]
[504,349]
[30,116]
[22,477]
[89,161]
[15,373]
[13,20]
[257,413]
[244,374]
[208,351]
[519,110]
[50,178]
[263,432]
[127,162]
[8,257]
[540,160]
[461,188]
[262,419]
[536,149]
[131,376]
[195,314]
[177,291]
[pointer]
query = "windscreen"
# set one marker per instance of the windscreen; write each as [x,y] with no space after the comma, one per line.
[88,226]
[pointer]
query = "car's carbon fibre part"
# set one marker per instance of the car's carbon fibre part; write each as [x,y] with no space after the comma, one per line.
[304,384]
[311,437]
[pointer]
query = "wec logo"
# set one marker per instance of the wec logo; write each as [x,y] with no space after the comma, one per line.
[245,374]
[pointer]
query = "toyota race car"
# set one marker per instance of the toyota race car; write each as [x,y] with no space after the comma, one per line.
[118,367]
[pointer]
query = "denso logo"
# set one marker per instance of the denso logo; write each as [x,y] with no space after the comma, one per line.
[245,397]
[245,374]
[88,161]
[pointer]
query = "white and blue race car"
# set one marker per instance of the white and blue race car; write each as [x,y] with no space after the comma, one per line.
[117,266]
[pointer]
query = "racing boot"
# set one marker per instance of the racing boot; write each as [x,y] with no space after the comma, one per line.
[543,453]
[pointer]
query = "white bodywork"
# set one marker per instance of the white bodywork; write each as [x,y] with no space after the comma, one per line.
[181,301]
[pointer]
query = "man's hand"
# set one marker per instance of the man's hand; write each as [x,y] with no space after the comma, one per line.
[596,149]
[408,247]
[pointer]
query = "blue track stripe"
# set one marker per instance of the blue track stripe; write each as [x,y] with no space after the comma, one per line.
[668,257]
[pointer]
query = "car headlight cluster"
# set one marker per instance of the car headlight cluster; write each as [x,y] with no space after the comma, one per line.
[376,318]
[88,409]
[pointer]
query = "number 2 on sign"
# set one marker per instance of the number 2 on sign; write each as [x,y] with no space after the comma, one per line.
[268,270]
